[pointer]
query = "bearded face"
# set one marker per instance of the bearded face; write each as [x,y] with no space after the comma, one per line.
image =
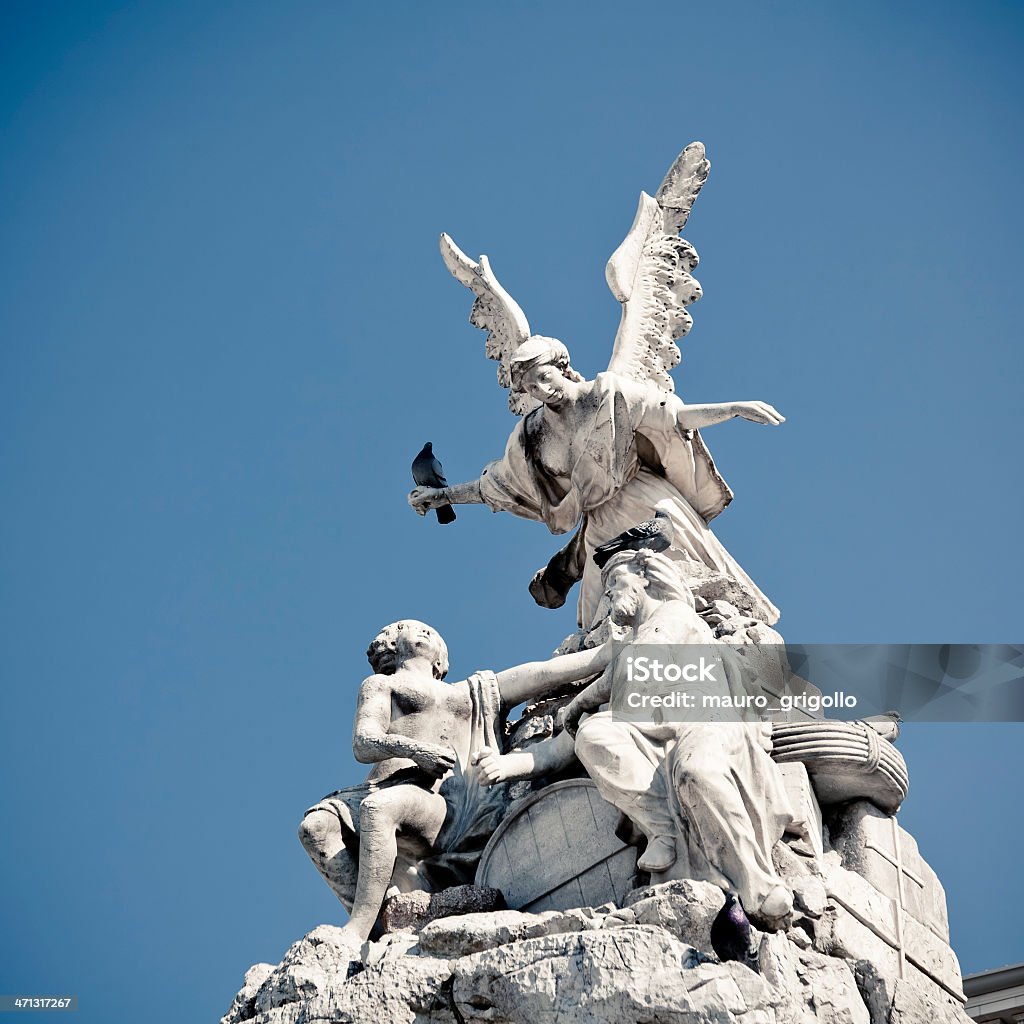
[625,591]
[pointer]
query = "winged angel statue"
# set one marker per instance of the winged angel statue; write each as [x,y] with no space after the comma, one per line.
[604,454]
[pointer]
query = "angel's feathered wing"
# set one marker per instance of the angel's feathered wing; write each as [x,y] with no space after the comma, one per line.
[494,311]
[650,275]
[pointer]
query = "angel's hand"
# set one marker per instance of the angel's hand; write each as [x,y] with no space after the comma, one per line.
[759,412]
[423,499]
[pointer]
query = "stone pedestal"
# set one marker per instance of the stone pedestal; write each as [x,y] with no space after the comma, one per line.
[854,952]
[868,942]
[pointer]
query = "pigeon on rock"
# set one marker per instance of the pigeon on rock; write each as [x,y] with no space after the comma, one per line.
[428,472]
[731,935]
[654,535]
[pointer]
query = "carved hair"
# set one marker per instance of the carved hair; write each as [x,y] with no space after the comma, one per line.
[540,351]
[383,650]
[664,580]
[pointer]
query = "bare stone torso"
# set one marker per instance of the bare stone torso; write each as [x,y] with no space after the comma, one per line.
[428,711]
[558,437]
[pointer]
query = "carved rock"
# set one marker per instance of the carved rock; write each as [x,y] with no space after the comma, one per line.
[606,977]
[810,986]
[913,1000]
[734,599]
[641,962]
[473,933]
[872,844]
[411,911]
[244,1005]
[685,909]
[808,823]
[408,991]
[309,968]
[869,925]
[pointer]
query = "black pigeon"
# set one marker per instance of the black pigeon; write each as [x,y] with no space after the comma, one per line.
[731,935]
[428,472]
[654,535]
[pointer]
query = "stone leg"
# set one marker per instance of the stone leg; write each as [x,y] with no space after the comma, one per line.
[418,814]
[734,805]
[625,768]
[323,839]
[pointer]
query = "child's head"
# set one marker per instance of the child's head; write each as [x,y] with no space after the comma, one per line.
[407,638]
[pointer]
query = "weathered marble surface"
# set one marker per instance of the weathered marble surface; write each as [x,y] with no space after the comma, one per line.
[648,960]
[599,456]
[857,950]
[854,921]
[846,761]
[414,910]
[872,844]
[559,849]
[707,796]
[421,818]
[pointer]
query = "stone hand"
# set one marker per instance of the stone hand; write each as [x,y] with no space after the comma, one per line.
[435,759]
[423,499]
[428,472]
[759,412]
[568,718]
[491,766]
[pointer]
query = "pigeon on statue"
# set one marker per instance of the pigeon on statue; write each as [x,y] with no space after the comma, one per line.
[654,535]
[731,935]
[428,472]
[887,726]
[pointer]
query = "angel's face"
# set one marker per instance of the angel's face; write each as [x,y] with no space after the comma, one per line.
[545,383]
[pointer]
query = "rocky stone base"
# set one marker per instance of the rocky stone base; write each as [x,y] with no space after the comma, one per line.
[648,961]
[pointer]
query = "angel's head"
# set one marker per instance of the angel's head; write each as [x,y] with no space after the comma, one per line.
[540,368]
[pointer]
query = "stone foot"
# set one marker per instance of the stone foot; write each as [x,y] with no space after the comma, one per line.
[775,909]
[660,855]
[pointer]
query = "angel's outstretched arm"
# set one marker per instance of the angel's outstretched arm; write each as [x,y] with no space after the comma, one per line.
[423,499]
[671,411]
[694,417]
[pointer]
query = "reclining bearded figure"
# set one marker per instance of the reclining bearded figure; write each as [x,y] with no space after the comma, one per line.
[601,455]
[705,793]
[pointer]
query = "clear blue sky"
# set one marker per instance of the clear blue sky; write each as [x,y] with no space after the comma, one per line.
[226,330]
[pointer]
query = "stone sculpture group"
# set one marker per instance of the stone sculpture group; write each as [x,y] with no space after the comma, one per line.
[428,854]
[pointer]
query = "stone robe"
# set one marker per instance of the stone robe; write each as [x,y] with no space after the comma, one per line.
[632,459]
[708,783]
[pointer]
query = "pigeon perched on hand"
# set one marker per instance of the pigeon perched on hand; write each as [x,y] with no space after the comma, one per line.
[653,535]
[731,935]
[428,472]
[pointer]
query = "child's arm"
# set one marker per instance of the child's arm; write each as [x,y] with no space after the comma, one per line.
[537,678]
[372,739]
[541,758]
